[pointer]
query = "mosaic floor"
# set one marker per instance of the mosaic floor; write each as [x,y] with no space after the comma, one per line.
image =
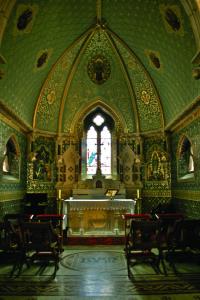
[99,272]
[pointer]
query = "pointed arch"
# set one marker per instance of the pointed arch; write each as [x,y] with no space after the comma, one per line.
[120,124]
[11,159]
[185,159]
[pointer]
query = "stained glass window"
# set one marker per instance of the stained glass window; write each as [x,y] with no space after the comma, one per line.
[105,151]
[98,147]
[98,120]
[91,150]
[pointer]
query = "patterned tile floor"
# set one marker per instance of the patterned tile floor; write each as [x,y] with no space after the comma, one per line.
[99,272]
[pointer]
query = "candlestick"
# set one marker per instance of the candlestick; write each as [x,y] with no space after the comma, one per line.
[138,193]
[59,194]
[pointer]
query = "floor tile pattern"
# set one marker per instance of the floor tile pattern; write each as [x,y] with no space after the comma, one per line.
[99,273]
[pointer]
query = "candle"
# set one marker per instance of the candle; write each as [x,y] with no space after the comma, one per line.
[59,194]
[138,193]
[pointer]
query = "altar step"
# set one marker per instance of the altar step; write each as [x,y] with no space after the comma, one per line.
[94,240]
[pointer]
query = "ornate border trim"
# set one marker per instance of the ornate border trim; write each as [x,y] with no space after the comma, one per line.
[190,114]
[186,195]
[10,196]
[11,119]
[156,193]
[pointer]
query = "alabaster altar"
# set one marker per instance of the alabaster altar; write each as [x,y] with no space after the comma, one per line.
[93,217]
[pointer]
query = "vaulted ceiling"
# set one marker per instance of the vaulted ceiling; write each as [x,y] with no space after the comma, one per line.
[54,50]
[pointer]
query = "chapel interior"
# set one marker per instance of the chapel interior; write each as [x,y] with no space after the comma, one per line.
[99,110]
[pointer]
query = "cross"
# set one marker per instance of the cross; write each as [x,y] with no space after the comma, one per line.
[98,152]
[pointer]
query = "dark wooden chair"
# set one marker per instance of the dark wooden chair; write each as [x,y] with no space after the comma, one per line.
[41,243]
[141,241]
[168,223]
[127,221]
[57,223]
[11,244]
[185,243]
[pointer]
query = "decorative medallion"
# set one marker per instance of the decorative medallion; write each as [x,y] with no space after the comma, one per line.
[51,96]
[145,97]
[42,59]
[172,18]
[154,59]
[25,18]
[99,69]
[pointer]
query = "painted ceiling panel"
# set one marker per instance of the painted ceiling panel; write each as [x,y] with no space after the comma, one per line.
[148,102]
[38,32]
[56,25]
[142,27]
[83,91]
[49,101]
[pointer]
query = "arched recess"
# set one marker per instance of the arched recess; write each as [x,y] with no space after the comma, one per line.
[77,124]
[185,159]
[117,128]
[11,159]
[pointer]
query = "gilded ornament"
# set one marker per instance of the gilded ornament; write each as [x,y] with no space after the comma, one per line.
[99,69]
[51,97]
[145,97]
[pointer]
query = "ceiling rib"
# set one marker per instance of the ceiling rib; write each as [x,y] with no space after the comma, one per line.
[71,74]
[126,77]
[98,11]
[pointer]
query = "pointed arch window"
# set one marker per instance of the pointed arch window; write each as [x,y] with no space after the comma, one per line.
[105,151]
[185,159]
[10,165]
[91,150]
[98,146]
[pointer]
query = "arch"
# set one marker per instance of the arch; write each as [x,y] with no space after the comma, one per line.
[11,159]
[185,159]
[117,127]
[99,128]
[119,121]
[15,142]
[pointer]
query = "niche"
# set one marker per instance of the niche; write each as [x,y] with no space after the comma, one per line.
[185,159]
[24,19]
[11,160]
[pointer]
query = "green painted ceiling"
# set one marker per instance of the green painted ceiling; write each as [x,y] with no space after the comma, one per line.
[146,97]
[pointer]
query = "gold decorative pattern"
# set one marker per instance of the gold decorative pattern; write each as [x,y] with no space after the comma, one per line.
[186,194]
[151,115]
[51,96]
[115,94]
[11,195]
[145,97]
[156,193]
[48,104]
[99,69]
